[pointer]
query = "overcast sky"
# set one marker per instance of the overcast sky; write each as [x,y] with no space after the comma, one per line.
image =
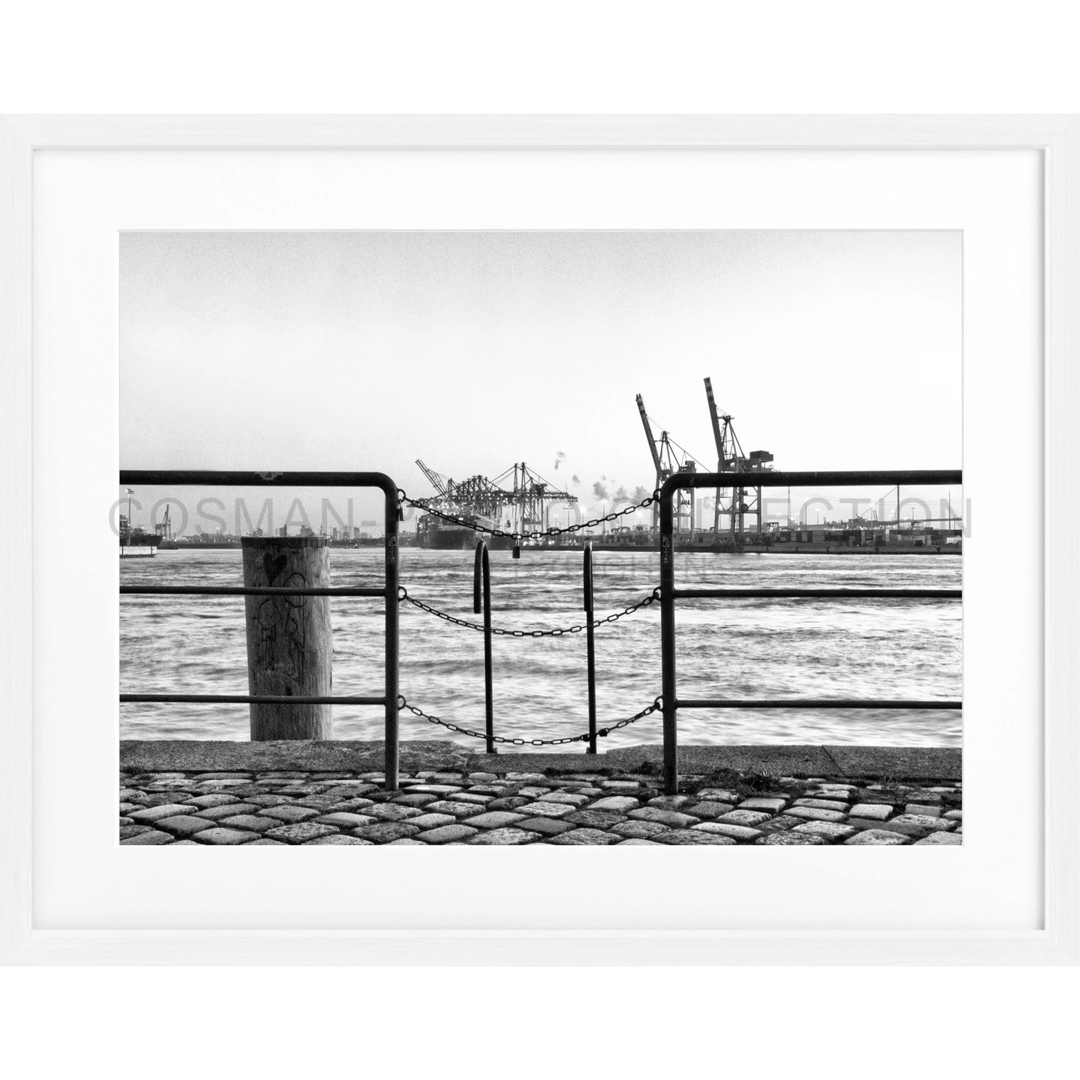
[365,351]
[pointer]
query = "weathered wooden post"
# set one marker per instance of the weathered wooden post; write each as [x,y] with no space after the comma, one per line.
[289,642]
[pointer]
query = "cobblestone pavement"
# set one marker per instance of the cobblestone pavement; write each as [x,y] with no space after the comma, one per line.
[586,808]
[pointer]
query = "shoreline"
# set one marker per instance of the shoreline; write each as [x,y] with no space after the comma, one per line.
[825,760]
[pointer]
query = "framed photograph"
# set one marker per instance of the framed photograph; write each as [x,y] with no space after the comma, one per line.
[359,508]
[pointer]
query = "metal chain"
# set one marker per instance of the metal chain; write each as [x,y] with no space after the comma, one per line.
[652,598]
[657,704]
[590,524]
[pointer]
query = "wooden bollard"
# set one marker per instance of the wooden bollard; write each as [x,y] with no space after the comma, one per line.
[289,642]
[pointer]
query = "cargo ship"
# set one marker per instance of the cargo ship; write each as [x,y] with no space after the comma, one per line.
[137,544]
[437,534]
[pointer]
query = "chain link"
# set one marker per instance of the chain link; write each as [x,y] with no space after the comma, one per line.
[657,704]
[652,598]
[516,536]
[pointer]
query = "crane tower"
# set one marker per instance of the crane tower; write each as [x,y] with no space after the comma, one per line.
[733,502]
[666,463]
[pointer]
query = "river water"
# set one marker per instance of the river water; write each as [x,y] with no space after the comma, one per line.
[741,648]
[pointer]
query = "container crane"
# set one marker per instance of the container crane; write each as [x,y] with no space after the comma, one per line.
[443,485]
[164,527]
[666,463]
[730,458]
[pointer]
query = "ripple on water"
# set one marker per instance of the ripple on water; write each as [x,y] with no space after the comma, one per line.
[742,649]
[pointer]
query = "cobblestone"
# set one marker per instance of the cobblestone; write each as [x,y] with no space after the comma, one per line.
[338,840]
[128,830]
[455,809]
[151,837]
[350,806]
[690,836]
[594,819]
[251,822]
[494,819]
[386,831]
[709,810]
[749,818]
[205,802]
[780,823]
[940,839]
[511,802]
[414,800]
[830,831]
[519,808]
[300,832]
[773,806]
[790,836]
[720,828]
[878,837]
[216,813]
[585,837]
[670,802]
[718,795]
[157,813]
[822,804]
[183,825]
[545,826]
[546,809]
[812,814]
[344,820]
[567,797]
[431,821]
[446,834]
[504,836]
[619,803]
[223,835]
[289,814]
[671,818]
[916,824]
[393,812]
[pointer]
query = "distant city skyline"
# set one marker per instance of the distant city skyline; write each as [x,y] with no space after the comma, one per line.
[475,350]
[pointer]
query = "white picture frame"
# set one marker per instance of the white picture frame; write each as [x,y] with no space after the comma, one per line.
[1057,139]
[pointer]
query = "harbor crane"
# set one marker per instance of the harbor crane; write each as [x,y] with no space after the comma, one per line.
[164,527]
[524,494]
[730,459]
[666,463]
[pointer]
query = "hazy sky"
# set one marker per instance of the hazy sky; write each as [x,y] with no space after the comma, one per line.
[475,350]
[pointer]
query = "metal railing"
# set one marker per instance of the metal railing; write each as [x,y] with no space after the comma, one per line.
[669,593]
[482,604]
[388,592]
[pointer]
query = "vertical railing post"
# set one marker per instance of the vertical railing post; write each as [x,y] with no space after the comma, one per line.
[590,646]
[391,753]
[667,639]
[482,602]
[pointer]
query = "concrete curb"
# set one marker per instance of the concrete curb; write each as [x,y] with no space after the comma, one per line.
[896,762]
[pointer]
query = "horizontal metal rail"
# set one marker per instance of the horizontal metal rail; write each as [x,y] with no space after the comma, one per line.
[243,590]
[695,593]
[388,591]
[814,703]
[669,593]
[859,478]
[250,699]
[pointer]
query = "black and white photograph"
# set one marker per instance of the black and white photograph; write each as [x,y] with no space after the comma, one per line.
[572,538]
[466,432]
